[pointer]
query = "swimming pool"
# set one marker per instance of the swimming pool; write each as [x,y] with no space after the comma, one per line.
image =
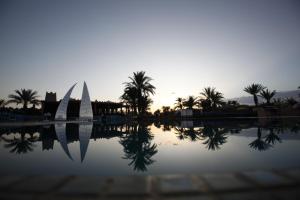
[181,147]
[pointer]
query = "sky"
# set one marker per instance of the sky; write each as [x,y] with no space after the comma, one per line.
[183,45]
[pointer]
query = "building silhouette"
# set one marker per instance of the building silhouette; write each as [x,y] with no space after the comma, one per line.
[100,108]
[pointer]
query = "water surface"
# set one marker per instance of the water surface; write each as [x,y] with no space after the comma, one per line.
[159,148]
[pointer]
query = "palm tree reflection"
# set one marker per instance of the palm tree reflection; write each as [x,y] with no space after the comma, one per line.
[187,133]
[138,148]
[180,133]
[295,128]
[215,137]
[272,137]
[20,145]
[259,144]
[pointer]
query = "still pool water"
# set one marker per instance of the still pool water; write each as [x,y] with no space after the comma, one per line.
[150,148]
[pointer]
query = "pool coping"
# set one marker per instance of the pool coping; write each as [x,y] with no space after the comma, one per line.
[270,184]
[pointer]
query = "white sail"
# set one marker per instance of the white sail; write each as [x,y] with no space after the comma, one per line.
[85,131]
[61,113]
[86,111]
[60,130]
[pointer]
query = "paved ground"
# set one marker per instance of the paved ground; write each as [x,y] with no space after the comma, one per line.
[252,185]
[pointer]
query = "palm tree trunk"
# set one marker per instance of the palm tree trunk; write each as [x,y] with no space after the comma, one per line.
[25,105]
[255,99]
[258,133]
[134,110]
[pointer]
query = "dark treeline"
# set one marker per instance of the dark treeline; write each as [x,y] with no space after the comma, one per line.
[211,103]
[137,98]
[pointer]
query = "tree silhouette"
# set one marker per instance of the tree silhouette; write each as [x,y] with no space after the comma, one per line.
[179,103]
[140,89]
[24,96]
[213,98]
[190,102]
[267,95]
[165,109]
[254,89]
[2,103]
[129,97]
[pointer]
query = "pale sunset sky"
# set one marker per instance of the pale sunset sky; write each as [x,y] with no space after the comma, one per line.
[184,45]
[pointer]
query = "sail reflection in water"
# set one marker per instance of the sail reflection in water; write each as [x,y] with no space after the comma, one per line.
[60,130]
[147,148]
[85,131]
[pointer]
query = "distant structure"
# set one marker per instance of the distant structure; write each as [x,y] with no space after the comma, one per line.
[99,108]
[50,97]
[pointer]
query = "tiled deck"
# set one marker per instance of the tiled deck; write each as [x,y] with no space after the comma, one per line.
[245,185]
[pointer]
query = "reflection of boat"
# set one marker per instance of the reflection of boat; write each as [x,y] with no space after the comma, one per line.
[85,131]
[60,130]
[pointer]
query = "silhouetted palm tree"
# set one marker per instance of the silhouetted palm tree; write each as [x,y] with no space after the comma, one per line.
[254,89]
[205,104]
[24,96]
[143,88]
[291,101]
[165,109]
[179,103]
[20,145]
[267,95]
[2,103]
[156,114]
[208,92]
[146,103]
[217,99]
[258,143]
[212,97]
[277,101]
[190,102]
[35,103]
[130,98]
